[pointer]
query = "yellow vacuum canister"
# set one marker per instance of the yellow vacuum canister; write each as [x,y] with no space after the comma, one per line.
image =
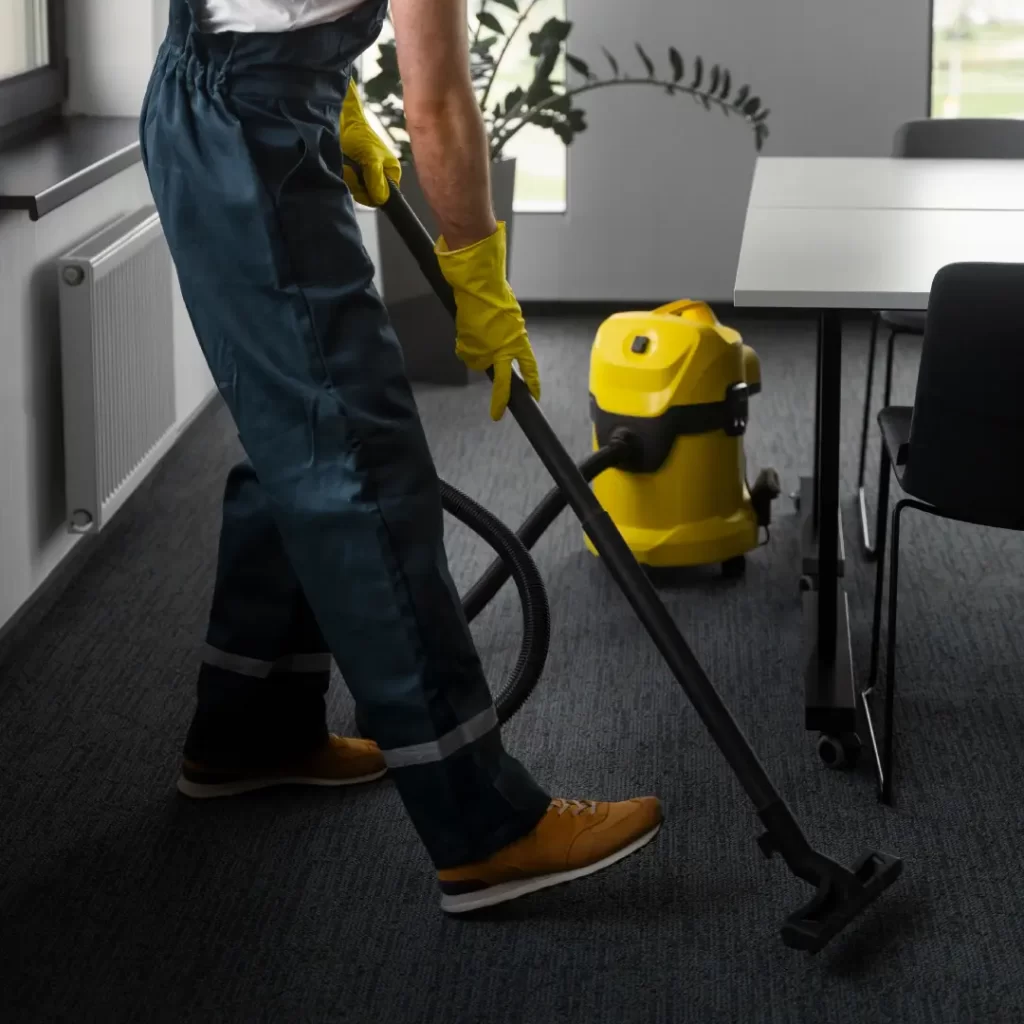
[676,382]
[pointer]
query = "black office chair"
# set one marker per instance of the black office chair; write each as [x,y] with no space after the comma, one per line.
[958,452]
[933,139]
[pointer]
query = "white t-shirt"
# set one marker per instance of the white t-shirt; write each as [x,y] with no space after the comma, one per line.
[270,15]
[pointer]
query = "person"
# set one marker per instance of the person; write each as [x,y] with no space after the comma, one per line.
[332,544]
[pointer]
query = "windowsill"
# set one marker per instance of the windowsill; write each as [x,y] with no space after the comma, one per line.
[64,159]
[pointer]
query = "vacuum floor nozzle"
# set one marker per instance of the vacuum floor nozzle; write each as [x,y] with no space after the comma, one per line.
[842,895]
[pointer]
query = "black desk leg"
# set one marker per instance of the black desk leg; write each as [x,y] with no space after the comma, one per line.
[831,700]
[830,401]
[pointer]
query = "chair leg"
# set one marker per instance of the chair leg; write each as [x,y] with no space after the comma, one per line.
[868,384]
[883,515]
[869,547]
[890,350]
[890,657]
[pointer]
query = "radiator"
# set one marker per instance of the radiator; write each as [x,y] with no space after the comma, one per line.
[117,361]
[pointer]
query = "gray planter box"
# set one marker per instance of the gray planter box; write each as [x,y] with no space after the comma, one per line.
[423,326]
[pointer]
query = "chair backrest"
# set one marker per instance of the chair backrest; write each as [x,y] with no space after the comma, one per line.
[967,138]
[966,450]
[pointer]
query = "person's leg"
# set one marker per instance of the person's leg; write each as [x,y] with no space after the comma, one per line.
[247,180]
[242,152]
[255,680]
[260,716]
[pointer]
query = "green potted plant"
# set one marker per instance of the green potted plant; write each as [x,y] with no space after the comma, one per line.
[545,98]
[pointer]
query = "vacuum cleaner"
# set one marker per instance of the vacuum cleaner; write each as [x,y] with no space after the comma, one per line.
[677,383]
[841,893]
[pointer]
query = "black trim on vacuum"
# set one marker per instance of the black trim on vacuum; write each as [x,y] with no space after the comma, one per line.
[652,437]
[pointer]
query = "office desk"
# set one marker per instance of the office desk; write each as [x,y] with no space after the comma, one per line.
[887,184]
[840,235]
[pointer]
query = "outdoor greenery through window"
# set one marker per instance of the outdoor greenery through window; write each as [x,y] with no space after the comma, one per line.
[541,157]
[24,37]
[978,58]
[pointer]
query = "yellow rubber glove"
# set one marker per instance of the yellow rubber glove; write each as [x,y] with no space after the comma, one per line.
[361,144]
[489,326]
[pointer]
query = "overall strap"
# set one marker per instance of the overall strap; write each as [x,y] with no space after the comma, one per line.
[184,19]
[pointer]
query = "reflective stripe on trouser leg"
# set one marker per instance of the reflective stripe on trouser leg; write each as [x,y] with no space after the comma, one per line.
[451,742]
[265,668]
[243,157]
[300,664]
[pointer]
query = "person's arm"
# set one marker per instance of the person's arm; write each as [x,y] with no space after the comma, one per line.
[446,130]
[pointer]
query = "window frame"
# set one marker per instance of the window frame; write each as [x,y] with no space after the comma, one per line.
[34,96]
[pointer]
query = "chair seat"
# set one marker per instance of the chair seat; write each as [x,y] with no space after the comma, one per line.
[988,511]
[904,321]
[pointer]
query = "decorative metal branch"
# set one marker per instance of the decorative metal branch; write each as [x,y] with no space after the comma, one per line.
[546,101]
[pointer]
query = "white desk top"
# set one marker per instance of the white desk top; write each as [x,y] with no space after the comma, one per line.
[864,259]
[816,182]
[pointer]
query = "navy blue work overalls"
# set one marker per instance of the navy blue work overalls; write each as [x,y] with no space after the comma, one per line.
[332,540]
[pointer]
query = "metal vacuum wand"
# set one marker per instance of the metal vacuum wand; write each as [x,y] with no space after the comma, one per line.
[841,893]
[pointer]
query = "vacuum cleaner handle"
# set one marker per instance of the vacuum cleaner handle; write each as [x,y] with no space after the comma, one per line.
[421,246]
[419,243]
[841,893]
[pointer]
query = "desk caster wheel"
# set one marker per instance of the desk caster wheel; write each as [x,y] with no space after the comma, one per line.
[840,752]
[806,584]
[795,498]
[734,568]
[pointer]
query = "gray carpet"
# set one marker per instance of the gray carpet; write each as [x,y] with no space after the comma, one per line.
[120,901]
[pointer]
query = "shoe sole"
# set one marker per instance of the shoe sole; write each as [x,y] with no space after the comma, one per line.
[506,891]
[201,791]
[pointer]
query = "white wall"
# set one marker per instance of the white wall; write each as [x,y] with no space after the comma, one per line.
[111,46]
[33,537]
[657,186]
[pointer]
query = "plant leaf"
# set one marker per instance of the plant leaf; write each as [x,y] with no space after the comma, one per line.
[761,116]
[549,37]
[483,47]
[381,86]
[648,63]
[388,57]
[510,4]
[741,97]
[726,84]
[512,99]
[564,131]
[704,99]
[751,106]
[677,63]
[578,65]
[698,72]
[716,78]
[488,20]
[612,61]
[556,29]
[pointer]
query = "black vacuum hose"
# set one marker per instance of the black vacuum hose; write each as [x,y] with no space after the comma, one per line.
[515,562]
[483,591]
[514,557]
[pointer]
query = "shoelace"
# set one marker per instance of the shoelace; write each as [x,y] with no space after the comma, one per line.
[576,806]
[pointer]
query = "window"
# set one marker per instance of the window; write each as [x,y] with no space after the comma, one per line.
[32,71]
[541,157]
[978,58]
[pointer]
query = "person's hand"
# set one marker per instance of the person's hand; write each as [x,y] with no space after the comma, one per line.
[361,144]
[489,326]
